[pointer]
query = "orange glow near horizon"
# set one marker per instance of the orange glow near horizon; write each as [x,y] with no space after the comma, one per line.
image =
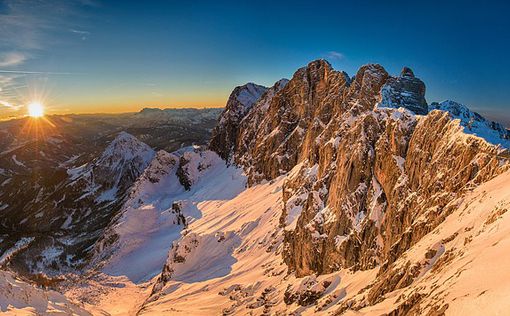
[38,127]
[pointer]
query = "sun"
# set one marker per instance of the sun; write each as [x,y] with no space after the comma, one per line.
[35,109]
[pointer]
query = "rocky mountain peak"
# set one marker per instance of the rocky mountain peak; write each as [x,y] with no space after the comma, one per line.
[248,94]
[315,71]
[282,128]
[407,72]
[366,85]
[473,123]
[158,167]
[280,84]
[239,103]
[405,91]
[353,150]
[121,163]
[124,147]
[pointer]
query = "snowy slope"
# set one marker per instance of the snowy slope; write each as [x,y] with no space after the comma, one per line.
[222,251]
[473,123]
[159,207]
[228,261]
[20,298]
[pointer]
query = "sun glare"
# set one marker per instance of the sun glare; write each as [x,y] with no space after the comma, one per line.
[35,109]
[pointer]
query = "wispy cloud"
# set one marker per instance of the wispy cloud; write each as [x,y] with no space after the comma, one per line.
[84,34]
[333,55]
[9,105]
[23,72]
[27,29]
[32,24]
[80,32]
[11,59]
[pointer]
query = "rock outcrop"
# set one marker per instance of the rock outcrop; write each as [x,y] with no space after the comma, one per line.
[405,90]
[367,176]
[241,100]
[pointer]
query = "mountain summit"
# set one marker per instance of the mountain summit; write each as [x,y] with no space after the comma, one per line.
[239,103]
[369,170]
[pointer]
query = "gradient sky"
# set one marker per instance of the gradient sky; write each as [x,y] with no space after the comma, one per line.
[119,56]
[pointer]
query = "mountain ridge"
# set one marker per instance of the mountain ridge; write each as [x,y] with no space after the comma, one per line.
[323,194]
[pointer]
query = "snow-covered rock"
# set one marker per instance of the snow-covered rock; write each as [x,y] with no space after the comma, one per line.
[404,91]
[159,207]
[116,169]
[20,298]
[475,124]
[239,103]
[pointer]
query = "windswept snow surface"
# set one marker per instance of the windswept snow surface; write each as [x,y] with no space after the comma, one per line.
[229,261]
[148,224]
[229,257]
[20,298]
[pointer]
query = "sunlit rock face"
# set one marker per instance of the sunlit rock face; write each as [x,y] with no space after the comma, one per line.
[370,170]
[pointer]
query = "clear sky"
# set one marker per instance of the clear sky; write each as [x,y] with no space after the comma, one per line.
[118,56]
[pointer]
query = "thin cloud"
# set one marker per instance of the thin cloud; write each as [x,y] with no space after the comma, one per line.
[80,32]
[9,105]
[26,28]
[84,34]
[31,24]
[333,55]
[11,59]
[22,72]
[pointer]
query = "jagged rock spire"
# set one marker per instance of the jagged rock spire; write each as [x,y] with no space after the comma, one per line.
[407,72]
[239,103]
[405,91]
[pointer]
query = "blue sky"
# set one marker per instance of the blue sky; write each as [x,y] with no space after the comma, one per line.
[112,56]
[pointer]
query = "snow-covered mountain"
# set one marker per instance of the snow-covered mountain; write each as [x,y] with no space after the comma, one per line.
[63,179]
[68,216]
[323,194]
[162,203]
[115,170]
[473,123]
[180,115]
[239,103]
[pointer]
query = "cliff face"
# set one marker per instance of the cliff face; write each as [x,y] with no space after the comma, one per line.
[239,103]
[370,170]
